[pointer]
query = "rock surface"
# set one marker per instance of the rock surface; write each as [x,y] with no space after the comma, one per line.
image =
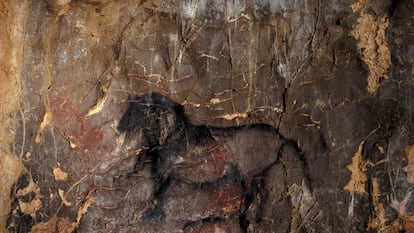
[332,79]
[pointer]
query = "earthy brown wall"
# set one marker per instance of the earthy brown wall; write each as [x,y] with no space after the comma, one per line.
[334,77]
[12,27]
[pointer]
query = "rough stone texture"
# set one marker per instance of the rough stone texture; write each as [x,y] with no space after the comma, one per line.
[332,79]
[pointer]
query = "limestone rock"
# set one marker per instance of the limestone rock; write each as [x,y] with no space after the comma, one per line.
[333,79]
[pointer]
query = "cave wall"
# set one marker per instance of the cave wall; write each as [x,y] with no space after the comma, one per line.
[333,77]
